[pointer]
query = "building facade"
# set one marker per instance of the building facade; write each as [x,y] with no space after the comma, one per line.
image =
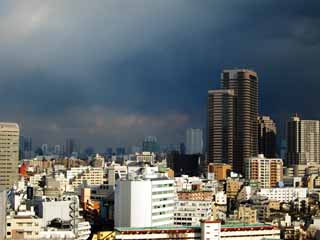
[194,141]
[267,171]
[232,119]
[303,141]
[221,126]
[144,202]
[267,132]
[9,154]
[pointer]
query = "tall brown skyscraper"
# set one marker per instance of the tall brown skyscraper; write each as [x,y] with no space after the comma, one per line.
[221,126]
[244,84]
[267,132]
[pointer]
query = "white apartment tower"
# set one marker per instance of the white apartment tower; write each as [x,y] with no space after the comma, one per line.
[144,201]
[9,154]
[268,171]
[194,141]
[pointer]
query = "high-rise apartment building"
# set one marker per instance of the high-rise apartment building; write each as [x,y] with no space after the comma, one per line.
[303,139]
[9,154]
[232,118]
[221,126]
[267,132]
[267,171]
[194,141]
[245,85]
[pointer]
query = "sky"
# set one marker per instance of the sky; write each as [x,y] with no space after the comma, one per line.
[111,72]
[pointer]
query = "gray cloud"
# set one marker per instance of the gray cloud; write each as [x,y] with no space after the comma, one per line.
[110,72]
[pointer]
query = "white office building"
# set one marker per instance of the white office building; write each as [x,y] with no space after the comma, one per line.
[144,201]
[194,141]
[286,194]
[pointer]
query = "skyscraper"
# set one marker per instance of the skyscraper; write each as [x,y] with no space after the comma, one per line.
[303,141]
[267,132]
[244,108]
[71,147]
[221,126]
[9,154]
[194,141]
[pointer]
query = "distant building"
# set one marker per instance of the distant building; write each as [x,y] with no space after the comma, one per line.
[150,144]
[267,171]
[9,157]
[71,147]
[120,151]
[45,149]
[25,147]
[267,132]
[194,141]
[303,141]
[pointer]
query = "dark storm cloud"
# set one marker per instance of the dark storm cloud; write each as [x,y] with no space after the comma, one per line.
[114,71]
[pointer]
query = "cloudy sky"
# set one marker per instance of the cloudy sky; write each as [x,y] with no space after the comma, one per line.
[110,72]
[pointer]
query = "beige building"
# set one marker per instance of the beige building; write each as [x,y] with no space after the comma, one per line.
[91,176]
[233,187]
[247,215]
[268,171]
[9,154]
[23,227]
[220,170]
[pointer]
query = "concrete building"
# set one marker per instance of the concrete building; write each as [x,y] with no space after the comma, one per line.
[23,227]
[208,230]
[221,170]
[247,215]
[267,132]
[286,194]
[194,141]
[3,213]
[221,126]
[267,171]
[148,157]
[90,176]
[146,200]
[303,141]
[191,212]
[9,154]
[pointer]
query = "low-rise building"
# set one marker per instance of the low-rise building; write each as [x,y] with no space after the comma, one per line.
[284,194]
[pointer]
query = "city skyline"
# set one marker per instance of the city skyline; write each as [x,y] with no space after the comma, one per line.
[69,73]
